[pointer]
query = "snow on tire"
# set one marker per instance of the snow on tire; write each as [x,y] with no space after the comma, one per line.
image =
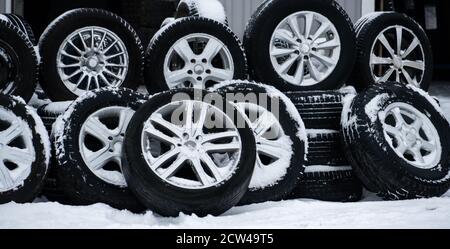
[88,143]
[193,52]
[397,140]
[22,24]
[18,62]
[24,151]
[280,139]
[392,47]
[86,49]
[212,9]
[300,45]
[183,154]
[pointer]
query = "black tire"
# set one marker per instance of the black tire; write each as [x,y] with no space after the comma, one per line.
[49,113]
[369,29]
[187,8]
[69,22]
[158,49]
[168,199]
[264,21]
[277,189]
[32,184]
[18,62]
[23,25]
[334,186]
[81,186]
[325,148]
[373,158]
[320,109]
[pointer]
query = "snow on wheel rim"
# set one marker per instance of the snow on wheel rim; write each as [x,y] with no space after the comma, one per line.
[197,60]
[411,135]
[16,151]
[305,48]
[91,58]
[192,153]
[101,146]
[273,146]
[398,55]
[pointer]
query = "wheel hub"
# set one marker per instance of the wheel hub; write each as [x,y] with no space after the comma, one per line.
[191,145]
[398,62]
[199,69]
[305,49]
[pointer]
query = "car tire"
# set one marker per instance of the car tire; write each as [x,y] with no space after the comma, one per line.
[202,8]
[23,25]
[325,148]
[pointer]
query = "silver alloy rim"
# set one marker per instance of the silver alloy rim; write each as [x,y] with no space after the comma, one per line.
[100,142]
[197,60]
[191,153]
[273,146]
[17,153]
[91,58]
[397,55]
[411,135]
[305,48]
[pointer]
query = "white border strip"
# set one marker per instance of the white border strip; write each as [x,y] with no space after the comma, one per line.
[367,6]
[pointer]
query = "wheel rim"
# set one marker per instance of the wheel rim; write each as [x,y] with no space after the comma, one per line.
[274,148]
[199,61]
[91,58]
[192,153]
[8,67]
[397,55]
[16,151]
[100,142]
[305,48]
[411,135]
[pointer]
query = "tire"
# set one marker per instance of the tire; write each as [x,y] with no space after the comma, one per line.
[29,147]
[23,25]
[320,109]
[381,161]
[325,148]
[53,46]
[167,21]
[334,186]
[269,184]
[174,34]
[368,41]
[262,26]
[18,62]
[49,113]
[92,126]
[212,9]
[166,196]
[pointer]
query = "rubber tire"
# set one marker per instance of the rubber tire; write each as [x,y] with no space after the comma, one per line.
[72,20]
[264,21]
[282,188]
[167,199]
[325,148]
[157,50]
[23,25]
[373,159]
[335,186]
[79,184]
[25,54]
[33,184]
[362,75]
[191,8]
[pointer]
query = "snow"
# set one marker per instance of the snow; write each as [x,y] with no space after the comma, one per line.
[57,107]
[212,9]
[42,132]
[326,168]
[374,106]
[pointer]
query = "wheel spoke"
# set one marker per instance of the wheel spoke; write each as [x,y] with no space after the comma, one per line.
[75,47]
[64,53]
[407,77]
[8,135]
[97,160]
[80,80]
[176,77]
[107,71]
[322,29]
[184,50]
[100,45]
[161,136]
[109,57]
[97,83]
[397,75]
[284,36]
[115,65]
[328,45]
[309,18]
[427,146]
[398,117]
[417,125]
[5,177]
[207,138]
[92,38]
[287,65]
[157,118]
[299,73]
[387,75]
[293,25]
[124,120]
[94,127]
[18,156]
[271,148]
[104,79]
[315,74]
[161,160]
[220,148]
[386,44]
[281,52]
[326,61]
[263,123]
[85,47]
[189,114]
[201,119]
[211,49]
[69,66]
[110,46]
[399,32]
[375,60]
[411,47]
[391,130]
[414,64]
[221,74]
[401,148]
[418,155]
[212,167]
[173,168]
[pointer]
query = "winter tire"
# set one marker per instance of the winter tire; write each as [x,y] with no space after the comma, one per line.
[397,139]
[88,143]
[212,9]
[194,52]
[24,151]
[18,62]
[86,49]
[49,113]
[299,45]
[392,47]
[280,139]
[325,148]
[188,166]
[22,24]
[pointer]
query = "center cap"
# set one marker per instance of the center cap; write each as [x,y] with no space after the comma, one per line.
[191,145]
[198,69]
[398,63]
[411,137]
[305,48]
[93,62]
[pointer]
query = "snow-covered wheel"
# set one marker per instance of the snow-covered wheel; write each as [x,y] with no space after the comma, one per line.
[87,49]
[194,52]
[18,62]
[397,140]
[280,139]
[24,151]
[212,9]
[22,24]
[183,154]
[88,143]
[325,148]
[392,47]
[300,45]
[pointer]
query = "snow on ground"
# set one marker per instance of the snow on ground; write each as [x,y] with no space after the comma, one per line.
[369,213]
